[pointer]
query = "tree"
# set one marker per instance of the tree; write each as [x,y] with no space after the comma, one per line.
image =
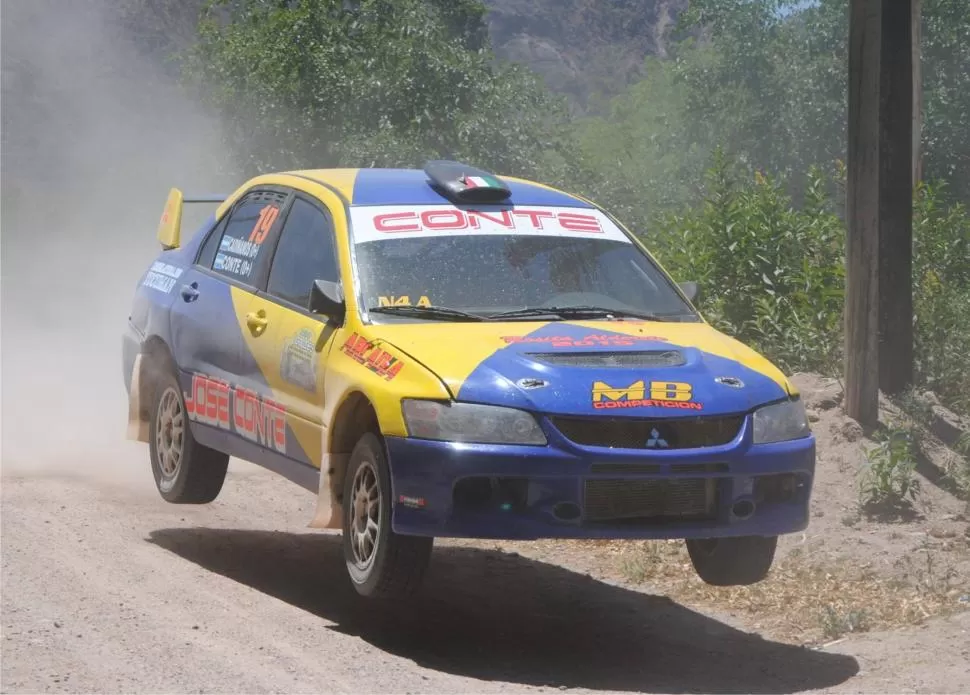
[945,39]
[319,83]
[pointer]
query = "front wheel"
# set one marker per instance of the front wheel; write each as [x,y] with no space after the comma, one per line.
[732,561]
[381,563]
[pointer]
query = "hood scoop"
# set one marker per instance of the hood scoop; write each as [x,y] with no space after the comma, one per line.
[634,359]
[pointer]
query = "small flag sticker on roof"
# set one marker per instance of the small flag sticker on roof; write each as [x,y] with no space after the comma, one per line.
[481,182]
[463,183]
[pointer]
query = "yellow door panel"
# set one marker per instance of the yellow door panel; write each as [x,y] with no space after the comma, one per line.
[305,344]
[288,347]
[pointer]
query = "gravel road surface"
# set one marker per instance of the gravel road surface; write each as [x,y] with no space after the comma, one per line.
[107,588]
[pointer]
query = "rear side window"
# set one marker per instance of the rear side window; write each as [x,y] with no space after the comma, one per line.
[305,253]
[211,245]
[242,249]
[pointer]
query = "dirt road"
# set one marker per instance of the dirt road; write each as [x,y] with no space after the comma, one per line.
[106,588]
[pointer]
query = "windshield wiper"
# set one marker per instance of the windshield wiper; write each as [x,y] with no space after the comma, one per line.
[427,312]
[573,312]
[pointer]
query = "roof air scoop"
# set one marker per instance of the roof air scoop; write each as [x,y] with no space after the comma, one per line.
[466,184]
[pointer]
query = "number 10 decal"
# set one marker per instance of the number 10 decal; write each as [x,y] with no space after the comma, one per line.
[267,216]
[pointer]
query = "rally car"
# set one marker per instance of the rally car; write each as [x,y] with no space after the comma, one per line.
[447,352]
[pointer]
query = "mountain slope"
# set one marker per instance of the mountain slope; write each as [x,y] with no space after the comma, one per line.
[583,48]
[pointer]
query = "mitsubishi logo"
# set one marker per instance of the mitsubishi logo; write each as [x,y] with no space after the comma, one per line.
[655,442]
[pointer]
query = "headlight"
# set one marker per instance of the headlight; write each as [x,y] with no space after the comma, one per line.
[470,422]
[780,422]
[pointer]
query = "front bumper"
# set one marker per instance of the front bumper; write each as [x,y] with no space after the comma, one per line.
[447,489]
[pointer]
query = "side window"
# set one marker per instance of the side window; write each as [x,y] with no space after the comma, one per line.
[241,249]
[305,253]
[208,252]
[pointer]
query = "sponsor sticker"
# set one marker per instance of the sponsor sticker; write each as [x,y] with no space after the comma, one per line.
[402,300]
[372,223]
[239,247]
[232,264]
[412,502]
[162,276]
[216,403]
[595,340]
[376,359]
[675,395]
[298,365]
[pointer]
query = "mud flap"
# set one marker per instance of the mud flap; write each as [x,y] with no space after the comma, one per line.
[137,427]
[329,511]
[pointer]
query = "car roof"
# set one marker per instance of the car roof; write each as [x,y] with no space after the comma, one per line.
[375,186]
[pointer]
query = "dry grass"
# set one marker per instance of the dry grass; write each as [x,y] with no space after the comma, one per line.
[801,600]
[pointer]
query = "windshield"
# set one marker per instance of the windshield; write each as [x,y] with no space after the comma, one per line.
[487,261]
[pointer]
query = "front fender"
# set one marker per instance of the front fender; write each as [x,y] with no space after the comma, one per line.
[382,373]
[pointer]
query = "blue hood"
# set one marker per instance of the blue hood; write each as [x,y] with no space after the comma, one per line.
[649,378]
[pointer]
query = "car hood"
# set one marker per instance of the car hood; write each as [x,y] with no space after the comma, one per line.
[616,368]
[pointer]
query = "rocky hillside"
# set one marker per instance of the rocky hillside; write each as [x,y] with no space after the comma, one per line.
[583,48]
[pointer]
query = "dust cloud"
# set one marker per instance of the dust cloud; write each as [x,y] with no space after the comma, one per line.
[94,135]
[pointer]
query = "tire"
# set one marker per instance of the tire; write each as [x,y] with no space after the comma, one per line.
[185,471]
[381,564]
[736,561]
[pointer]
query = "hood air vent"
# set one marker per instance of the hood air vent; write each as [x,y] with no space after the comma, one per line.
[635,359]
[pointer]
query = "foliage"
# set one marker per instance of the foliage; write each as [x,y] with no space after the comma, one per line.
[772,275]
[946,92]
[888,481]
[836,624]
[767,81]
[316,83]
[941,271]
[641,159]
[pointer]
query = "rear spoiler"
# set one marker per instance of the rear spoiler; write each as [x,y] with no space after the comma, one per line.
[170,226]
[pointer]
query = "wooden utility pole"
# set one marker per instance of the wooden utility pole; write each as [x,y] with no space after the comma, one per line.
[896,197]
[879,249]
[862,213]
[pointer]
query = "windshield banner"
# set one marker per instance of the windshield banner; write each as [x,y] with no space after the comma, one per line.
[373,223]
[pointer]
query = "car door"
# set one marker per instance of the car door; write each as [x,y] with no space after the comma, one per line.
[293,359]
[210,315]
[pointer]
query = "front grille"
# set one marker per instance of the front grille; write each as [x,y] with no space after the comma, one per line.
[632,359]
[628,433]
[646,468]
[682,499]
[656,469]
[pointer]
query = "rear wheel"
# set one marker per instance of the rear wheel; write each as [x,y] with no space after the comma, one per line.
[732,561]
[185,471]
[381,563]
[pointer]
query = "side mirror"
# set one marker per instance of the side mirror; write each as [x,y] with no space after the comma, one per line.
[691,289]
[327,299]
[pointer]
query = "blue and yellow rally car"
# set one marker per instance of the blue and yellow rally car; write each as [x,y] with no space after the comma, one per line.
[446,352]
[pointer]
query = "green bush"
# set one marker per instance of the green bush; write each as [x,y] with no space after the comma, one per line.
[773,273]
[941,276]
[888,482]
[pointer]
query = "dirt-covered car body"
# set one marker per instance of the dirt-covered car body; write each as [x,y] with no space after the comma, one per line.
[273,316]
